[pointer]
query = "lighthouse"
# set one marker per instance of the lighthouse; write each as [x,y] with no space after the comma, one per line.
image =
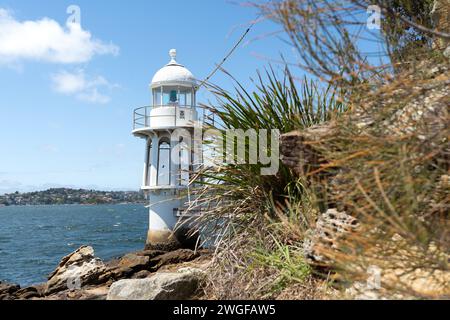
[168,126]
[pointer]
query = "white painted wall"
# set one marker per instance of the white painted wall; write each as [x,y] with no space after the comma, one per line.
[162,205]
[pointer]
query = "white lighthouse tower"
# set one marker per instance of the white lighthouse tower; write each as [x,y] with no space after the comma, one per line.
[168,128]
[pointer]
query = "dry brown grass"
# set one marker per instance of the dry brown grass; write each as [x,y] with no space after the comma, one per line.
[395,181]
[387,165]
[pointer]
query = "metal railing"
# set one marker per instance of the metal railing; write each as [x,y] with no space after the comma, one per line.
[142,115]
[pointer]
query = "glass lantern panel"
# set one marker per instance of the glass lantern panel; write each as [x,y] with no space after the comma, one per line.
[170,96]
[189,98]
[182,98]
[157,97]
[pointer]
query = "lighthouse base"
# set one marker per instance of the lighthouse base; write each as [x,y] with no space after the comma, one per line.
[163,220]
[167,240]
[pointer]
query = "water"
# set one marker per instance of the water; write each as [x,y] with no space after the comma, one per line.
[33,239]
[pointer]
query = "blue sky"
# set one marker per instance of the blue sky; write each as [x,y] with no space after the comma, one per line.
[67,93]
[66,112]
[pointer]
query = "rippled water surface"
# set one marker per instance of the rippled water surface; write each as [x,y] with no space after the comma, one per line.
[33,239]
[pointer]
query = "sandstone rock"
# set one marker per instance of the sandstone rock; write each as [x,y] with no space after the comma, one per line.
[87,293]
[82,276]
[297,147]
[162,286]
[141,274]
[127,266]
[76,270]
[30,292]
[330,227]
[150,253]
[116,273]
[133,261]
[98,293]
[8,290]
[173,257]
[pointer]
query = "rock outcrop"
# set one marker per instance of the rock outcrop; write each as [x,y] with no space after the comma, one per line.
[172,257]
[298,151]
[75,270]
[417,103]
[331,227]
[82,276]
[179,285]
[7,290]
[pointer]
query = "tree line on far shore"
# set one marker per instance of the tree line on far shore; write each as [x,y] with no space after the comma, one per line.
[58,196]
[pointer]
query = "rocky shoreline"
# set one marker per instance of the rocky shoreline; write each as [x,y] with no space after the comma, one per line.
[142,275]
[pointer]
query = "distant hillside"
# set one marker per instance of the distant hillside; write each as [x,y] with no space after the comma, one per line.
[71,196]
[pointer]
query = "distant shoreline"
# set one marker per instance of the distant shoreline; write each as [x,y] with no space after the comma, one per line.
[66,196]
[70,204]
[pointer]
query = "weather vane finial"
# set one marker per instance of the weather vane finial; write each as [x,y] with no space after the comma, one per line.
[173,55]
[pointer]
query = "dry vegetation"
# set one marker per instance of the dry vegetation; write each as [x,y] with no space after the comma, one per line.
[371,152]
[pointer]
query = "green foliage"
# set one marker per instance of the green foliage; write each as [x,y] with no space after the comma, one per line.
[287,262]
[247,203]
[276,104]
[385,165]
[279,104]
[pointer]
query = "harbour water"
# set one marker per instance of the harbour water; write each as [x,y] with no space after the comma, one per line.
[33,239]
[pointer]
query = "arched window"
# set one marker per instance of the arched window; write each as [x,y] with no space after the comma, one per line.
[164,163]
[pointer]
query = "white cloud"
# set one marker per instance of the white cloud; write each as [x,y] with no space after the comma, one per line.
[93,96]
[46,40]
[69,83]
[82,87]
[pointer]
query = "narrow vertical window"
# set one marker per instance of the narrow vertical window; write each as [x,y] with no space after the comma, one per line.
[149,163]
[184,164]
[164,164]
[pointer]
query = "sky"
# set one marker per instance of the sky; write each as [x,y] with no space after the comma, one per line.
[67,91]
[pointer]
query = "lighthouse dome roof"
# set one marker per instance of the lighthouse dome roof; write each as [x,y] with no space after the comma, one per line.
[173,73]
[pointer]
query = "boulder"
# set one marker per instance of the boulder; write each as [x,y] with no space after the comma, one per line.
[179,285]
[133,261]
[76,270]
[126,266]
[173,257]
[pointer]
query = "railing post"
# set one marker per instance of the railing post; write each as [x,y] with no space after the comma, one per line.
[145,119]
